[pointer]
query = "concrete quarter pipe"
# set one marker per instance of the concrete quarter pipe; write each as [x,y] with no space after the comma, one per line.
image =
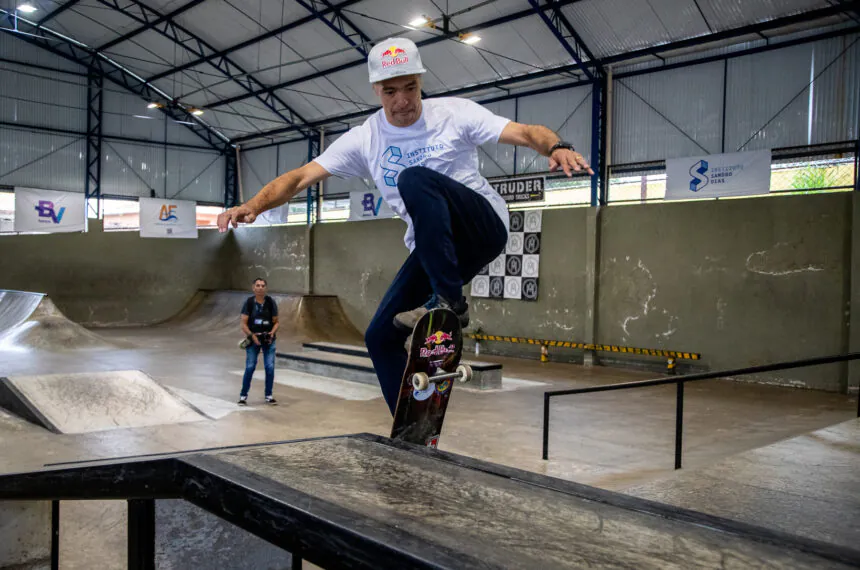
[31,321]
[302,317]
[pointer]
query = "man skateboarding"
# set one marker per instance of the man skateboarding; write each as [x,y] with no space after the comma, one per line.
[423,157]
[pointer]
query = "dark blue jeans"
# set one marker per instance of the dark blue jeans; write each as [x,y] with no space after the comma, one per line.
[252,352]
[457,232]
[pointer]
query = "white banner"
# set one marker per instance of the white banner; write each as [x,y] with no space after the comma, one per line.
[368,205]
[49,211]
[162,218]
[718,175]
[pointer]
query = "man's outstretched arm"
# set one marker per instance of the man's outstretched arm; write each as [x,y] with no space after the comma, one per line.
[277,192]
[541,140]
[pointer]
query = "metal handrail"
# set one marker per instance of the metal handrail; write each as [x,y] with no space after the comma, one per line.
[680,381]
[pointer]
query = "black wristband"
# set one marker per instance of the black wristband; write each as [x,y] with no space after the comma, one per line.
[560,144]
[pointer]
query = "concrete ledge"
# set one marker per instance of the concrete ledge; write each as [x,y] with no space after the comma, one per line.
[349,362]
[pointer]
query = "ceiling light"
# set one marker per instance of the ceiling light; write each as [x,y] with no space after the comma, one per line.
[154,106]
[418,22]
[27,8]
[470,39]
[196,112]
[142,117]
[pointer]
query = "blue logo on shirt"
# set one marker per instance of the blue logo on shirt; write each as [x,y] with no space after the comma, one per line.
[390,165]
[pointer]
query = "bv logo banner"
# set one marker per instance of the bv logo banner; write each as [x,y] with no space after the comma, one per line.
[162,218]
[368,205]
[718,175]
[49,211]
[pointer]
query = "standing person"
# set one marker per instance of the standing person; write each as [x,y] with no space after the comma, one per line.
[260,325]
[423,156]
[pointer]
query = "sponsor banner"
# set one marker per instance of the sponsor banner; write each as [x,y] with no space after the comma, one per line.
[718,175]
[49,211]
[368,205]
[162,218]
[520,189]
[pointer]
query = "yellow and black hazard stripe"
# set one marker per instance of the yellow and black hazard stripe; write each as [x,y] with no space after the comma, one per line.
[589,346]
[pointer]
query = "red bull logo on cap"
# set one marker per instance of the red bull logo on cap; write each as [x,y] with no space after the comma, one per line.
[394,56]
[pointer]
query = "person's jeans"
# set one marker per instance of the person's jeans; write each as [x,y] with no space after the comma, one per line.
[457,232]
[252,352]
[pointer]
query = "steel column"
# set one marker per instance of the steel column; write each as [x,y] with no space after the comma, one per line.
[92,188]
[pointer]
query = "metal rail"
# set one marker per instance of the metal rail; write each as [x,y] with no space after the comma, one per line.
[680,381]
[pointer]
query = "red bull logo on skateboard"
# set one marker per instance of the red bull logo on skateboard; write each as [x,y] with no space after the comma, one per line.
[435,341]
[394,56]
[438,337]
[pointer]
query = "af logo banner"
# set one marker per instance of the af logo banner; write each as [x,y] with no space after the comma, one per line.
[718,175]
[368,205]
[162,218]
[49,211]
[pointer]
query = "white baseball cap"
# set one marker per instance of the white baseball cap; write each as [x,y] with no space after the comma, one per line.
[392,58]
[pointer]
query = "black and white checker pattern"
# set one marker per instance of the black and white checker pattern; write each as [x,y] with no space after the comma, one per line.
[514,274]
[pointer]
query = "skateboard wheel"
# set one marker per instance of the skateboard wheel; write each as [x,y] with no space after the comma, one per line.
[420,381]
[465,372]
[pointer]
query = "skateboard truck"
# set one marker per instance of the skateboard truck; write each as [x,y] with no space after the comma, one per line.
[420,380]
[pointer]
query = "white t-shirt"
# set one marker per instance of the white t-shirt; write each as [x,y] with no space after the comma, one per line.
[445,139]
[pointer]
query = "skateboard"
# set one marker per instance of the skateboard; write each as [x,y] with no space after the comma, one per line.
[432,366]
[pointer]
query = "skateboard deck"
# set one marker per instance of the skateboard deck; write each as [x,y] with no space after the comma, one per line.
[436,347]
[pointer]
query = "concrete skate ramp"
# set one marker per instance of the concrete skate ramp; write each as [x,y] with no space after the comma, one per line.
[302,317]
[367,502]
[31,321]
[97,401]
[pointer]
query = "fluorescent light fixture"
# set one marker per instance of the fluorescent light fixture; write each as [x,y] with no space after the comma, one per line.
[196,112]
[418,22]
[27,8]
[470,39]
[142,117]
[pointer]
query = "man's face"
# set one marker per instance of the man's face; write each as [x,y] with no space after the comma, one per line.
[401,99]
[260,288]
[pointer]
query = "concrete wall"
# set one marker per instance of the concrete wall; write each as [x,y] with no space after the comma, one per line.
[116,278]
[740,281]
[357,261]
[743,282]
[278,254]
[561,309]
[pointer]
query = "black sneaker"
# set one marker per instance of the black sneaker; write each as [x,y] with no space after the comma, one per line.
[408,319]
[243,400]
[271,400]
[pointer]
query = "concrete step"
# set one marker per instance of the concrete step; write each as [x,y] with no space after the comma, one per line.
[330,364]
[487,375]
[356,350]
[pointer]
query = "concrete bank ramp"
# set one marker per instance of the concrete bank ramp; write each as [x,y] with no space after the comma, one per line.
[30,321]
[95,401]
[302,317]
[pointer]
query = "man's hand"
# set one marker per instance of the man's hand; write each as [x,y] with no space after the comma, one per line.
[235,216]
[256,339]
[569,161]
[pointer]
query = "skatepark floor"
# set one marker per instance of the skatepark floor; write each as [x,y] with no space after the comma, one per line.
[614,440]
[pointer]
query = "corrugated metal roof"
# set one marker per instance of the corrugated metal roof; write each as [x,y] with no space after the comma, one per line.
[512,49]
[727,14]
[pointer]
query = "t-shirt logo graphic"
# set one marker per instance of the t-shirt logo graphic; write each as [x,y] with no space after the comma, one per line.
[390,165]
